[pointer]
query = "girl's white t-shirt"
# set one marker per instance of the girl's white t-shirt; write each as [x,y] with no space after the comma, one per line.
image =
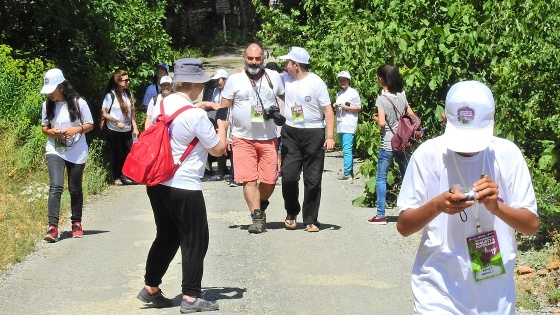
[347,121]
[77,153]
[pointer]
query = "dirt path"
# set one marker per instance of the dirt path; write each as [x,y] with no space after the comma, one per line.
[349,267]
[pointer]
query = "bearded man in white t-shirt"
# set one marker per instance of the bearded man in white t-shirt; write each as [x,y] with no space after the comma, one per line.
[468,192]
[251,94]
[307,108]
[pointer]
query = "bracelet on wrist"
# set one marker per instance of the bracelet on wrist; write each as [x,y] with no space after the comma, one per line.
[81,126]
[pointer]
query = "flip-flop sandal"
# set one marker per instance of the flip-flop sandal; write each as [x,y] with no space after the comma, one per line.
[290,224]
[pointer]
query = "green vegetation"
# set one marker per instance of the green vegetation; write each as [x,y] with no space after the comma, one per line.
[512,45]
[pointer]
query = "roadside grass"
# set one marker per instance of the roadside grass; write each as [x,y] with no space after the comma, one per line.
[23,198]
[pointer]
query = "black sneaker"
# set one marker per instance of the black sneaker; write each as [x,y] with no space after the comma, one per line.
[199,305]
[157,299]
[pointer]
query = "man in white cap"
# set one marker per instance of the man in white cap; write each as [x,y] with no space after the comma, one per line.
[469,192]
[347,105]
[307,102]
[251,95]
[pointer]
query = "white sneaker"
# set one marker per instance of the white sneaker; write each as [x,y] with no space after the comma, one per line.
[345,178]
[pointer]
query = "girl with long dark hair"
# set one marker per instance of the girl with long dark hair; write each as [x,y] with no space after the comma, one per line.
[65,119]
[118,111]
[391,104]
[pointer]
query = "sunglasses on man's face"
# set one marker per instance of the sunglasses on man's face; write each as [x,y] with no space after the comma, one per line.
[125,80]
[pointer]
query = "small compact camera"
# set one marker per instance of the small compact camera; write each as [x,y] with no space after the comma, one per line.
[469,196]
[274,113]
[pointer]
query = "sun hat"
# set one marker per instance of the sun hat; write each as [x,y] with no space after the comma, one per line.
[220,73]
[189,70]
[296,54]
[52,79]
[469,108]
[163,64]
[344,74]
[165,79]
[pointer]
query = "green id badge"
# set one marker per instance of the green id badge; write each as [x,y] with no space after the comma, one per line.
[486,259]
[257,113]
[297,113]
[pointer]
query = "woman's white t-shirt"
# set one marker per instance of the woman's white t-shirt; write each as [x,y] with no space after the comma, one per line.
[117,113]
[192,123]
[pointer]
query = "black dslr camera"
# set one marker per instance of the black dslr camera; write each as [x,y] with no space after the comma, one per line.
[274,113]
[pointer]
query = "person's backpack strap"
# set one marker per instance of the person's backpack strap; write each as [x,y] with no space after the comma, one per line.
[396,112]
[112,101]
[193,143]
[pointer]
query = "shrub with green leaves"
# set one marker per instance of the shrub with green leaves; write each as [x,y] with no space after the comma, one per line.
[511,45]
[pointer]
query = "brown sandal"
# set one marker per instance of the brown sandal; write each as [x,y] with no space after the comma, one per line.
[290,223]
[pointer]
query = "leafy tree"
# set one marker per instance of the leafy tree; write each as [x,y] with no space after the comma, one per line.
[511,45]
[88,39]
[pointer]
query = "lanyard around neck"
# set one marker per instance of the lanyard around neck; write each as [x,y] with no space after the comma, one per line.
[464,184]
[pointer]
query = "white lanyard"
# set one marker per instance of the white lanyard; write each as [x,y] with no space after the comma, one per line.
[463,183]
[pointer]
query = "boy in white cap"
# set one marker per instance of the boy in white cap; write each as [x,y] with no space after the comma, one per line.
[347,106]
[469,192]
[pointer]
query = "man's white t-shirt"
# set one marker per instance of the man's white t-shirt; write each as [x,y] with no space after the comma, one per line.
[116,112]
[245,96]
[77,153]
[192,123]
[308,95]
[347,121]
[442,276]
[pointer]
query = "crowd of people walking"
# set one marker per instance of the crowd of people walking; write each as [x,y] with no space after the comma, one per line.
[467,190]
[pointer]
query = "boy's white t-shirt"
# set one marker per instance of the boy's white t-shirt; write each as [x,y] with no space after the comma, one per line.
[78,152]
[192,123]
[239,89]
[442,277]
[347,121]
[312,93]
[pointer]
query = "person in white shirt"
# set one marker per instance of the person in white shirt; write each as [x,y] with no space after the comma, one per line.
[250,95]
[165,88]
[468,192]
[65,119]
[307,108]
[118,112]
[347,105]
[178,204]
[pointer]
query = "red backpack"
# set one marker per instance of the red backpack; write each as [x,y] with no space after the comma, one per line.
[150,161]
[409,131]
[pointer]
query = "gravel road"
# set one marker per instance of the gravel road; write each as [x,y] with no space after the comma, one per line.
[349,267]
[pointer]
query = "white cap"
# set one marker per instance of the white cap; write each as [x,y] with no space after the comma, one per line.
[469,108]
[220,73]
[297,54]
[52,79]
[344,74]
[165,79]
